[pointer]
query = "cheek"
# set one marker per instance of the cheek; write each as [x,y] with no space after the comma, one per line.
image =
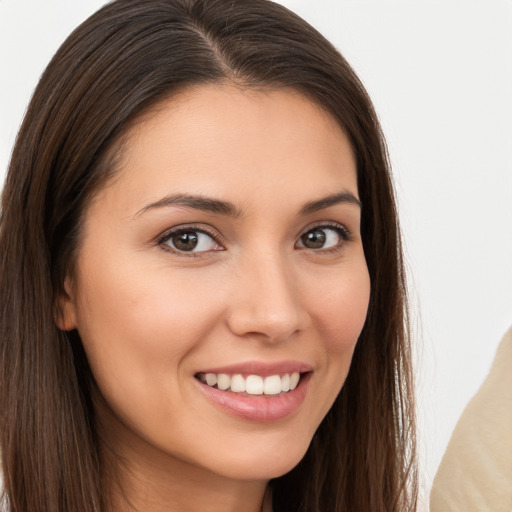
[147,306]
[138,330]
[137,327]
[338,306]
[340,309]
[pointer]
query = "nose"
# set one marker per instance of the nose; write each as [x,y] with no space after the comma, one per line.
[266,301]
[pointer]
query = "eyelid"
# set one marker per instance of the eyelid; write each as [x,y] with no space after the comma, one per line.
[169,233]
[161,240]
[342,230]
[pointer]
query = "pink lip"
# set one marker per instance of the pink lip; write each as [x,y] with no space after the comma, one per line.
[260,368]
[262,408]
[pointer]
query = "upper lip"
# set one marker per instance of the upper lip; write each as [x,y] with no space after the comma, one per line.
[261,368]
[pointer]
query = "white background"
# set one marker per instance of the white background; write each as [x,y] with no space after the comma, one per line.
[440,75]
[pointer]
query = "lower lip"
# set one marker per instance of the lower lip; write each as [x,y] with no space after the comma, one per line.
[263,408]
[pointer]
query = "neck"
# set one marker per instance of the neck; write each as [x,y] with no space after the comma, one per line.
[146,490]
[141,478]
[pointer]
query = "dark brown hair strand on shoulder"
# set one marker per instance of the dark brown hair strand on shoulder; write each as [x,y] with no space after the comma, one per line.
[115,66]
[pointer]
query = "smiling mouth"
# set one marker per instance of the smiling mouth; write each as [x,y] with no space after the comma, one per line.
[271,385]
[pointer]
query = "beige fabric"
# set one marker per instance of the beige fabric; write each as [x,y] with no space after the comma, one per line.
[475,474]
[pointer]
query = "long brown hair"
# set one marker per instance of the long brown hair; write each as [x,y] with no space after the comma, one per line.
[111,69]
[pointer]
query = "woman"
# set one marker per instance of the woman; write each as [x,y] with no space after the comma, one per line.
[199,240]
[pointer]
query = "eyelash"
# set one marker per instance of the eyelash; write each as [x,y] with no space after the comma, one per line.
[162,240]
[341,230]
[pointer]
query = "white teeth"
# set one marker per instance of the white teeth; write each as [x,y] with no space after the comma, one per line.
[211,379]
[253,384]
[237,384]
[285,383]
[223,381]
[273,385]
[294,380]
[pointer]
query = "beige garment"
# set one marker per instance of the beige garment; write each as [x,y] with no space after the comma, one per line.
[475,474]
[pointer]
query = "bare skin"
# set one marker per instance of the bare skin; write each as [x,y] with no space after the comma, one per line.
[229,239]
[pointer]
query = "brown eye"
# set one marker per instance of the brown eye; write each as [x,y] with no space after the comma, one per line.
[185,241]
[314,239]
[191,240]
[323,237]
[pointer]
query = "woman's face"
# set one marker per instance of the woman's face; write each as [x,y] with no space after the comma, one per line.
[225,254]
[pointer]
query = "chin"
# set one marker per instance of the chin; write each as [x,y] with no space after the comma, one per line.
[258,462]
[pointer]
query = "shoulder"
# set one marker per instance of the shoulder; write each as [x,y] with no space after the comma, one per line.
[476,470]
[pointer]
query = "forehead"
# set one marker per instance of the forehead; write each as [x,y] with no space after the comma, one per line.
[222,140]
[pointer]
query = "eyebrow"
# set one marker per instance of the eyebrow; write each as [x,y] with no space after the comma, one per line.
[320,204]
[219,207]
[196,202]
